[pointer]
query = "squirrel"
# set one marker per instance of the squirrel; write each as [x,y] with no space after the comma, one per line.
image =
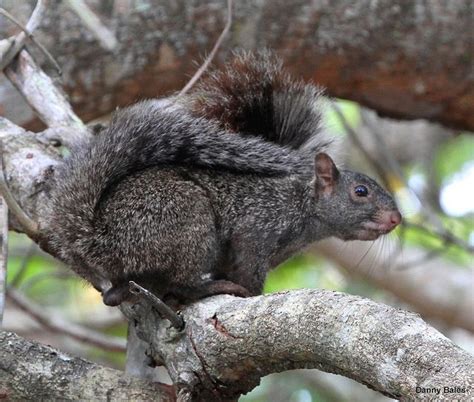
[207,192]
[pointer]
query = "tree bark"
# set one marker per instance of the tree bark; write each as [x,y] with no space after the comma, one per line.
[405,59]
[30,371]
[229,343]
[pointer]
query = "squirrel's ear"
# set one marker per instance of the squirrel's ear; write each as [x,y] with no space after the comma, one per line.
[326,173]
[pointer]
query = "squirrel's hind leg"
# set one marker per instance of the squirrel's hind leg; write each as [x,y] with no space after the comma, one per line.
[120,293]
[210,288]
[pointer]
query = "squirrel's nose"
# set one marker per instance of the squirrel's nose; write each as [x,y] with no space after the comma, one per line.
[395,218]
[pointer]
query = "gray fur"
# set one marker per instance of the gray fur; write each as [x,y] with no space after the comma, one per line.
[181,202]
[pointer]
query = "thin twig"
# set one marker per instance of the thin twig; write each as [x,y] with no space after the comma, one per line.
[59,325]
[46,99]
[29,226]
[211,55]
[175,319]
[105,37]
[19,40]
[4,255]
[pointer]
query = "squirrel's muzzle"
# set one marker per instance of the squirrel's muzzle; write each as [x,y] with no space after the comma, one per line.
[388,220]
[395,218]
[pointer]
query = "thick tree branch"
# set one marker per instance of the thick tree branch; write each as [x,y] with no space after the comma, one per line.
[406,59]
[28,226]
[230,343]
[28,162]
[30,371]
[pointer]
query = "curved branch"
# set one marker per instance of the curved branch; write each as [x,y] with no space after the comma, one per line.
[230,343]
[30,371]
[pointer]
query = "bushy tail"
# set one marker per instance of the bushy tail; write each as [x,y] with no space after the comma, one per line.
[253,95]
[145,135]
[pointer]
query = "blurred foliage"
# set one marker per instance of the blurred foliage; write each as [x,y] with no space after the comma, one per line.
[452,157]
[301,271]
[48,282]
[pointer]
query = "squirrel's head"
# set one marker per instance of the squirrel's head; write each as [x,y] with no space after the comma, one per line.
[353,205]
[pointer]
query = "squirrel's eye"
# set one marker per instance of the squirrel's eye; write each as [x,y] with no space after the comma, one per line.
[361,191]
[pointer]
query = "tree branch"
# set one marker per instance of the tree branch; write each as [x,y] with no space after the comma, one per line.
[30,371]
[165,311]
[212,54]
[29,226]
[105,37]
[48,101]
[230,343]
[16,43]
[418,52]
[28,162]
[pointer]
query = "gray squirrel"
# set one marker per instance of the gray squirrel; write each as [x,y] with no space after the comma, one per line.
[206,193]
